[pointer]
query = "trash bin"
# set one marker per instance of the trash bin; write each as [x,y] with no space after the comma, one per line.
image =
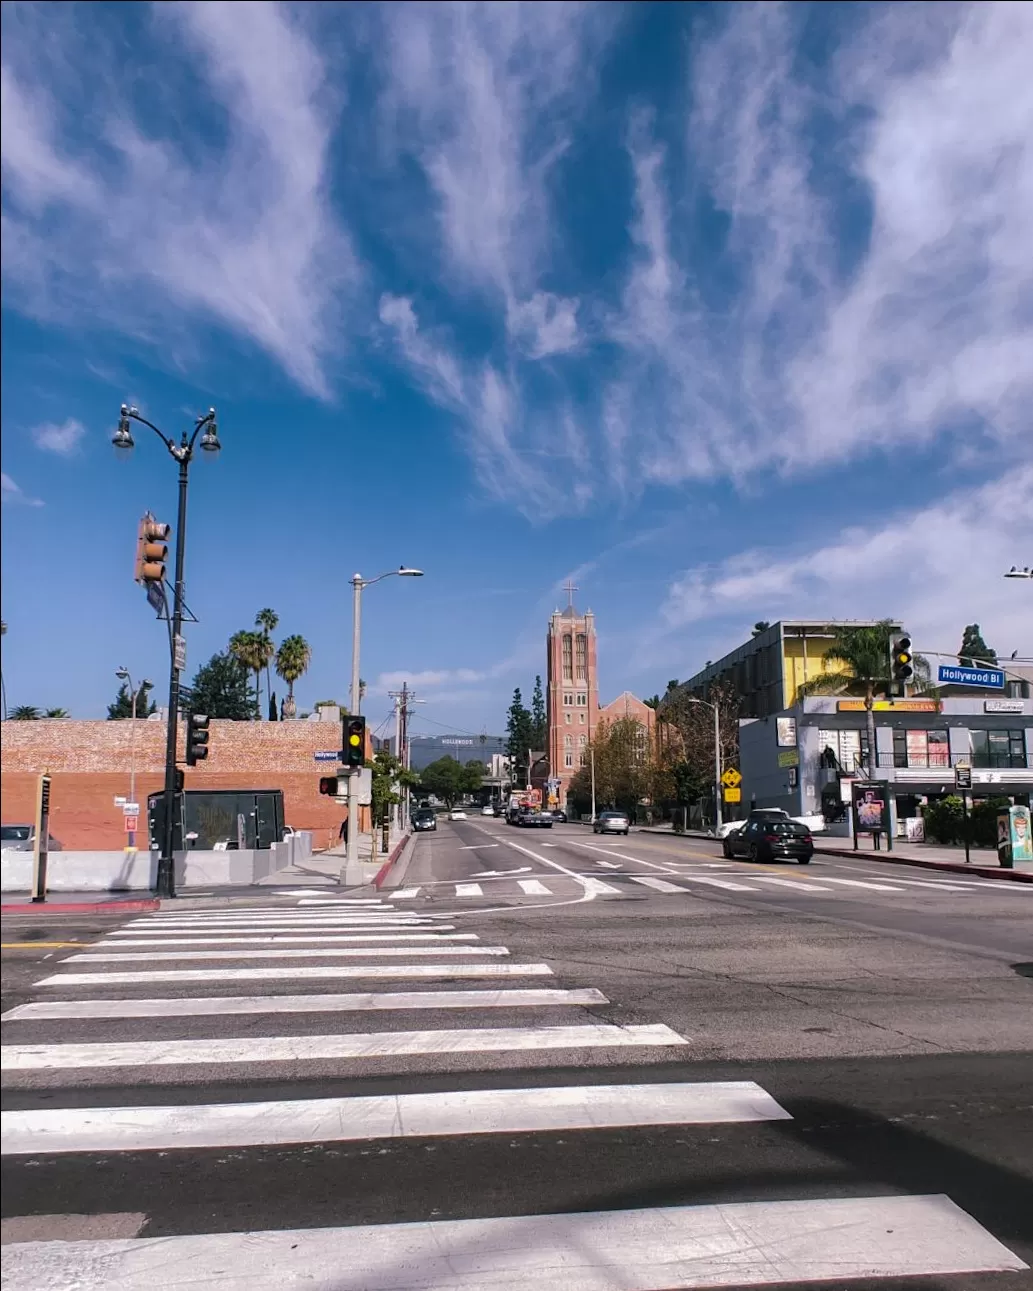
[1014,842]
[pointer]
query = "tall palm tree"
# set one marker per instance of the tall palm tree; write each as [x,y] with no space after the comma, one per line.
[864,653]
[252,650]
[266,621]
[292,661]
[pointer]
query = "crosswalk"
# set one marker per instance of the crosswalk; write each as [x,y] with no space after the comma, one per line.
[486,1061]
[613,881]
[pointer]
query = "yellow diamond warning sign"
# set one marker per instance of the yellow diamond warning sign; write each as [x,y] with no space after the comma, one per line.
[731,778]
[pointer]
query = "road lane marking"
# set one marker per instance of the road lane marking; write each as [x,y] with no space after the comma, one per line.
[858,883]
[733,1243]
[401,919]
[533,888]
[341,1120]
[362,1001]
[307,972]
[280,939]
[42,945]
[404,894]
[308,1048]
[469,890]
[337,952]
[502,874]
[610,865]
[658,885]
[799,884]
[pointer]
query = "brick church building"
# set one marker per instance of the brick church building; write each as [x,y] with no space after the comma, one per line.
[572,697]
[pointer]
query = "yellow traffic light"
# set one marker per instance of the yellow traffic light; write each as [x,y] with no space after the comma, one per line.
[151,550]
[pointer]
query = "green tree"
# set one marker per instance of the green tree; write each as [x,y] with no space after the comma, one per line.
[974,649]
[539,718]
[253,651]
[122,707]
[520,732]
[221,689]
[57,712]
[473,775]
[388,776]
[760,626]
[446,779]
[25,713]
[266,621]
[292,661]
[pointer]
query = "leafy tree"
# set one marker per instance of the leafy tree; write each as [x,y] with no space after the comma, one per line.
[539,719]
[25,713]
[974,649]
[760,626]
[122,707]
[688,740]
[473,775]
[520,732]
[448,779]
[253,651]
[292,660]
[57,712]
[266,621]
[622,756]
[221,689]
[388,777]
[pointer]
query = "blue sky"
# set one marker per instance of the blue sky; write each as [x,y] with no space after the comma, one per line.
[725,311]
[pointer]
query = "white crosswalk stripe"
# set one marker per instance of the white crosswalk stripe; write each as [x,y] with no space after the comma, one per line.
[469,890]
[128,1038]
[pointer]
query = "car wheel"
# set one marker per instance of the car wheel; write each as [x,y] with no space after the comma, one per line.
[726,850]
[754,852]
[626,832]
[805,860]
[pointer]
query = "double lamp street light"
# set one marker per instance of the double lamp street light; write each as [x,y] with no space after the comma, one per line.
[205,436]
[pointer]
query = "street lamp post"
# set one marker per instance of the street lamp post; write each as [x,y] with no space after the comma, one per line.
[352,869]
[717,757]
[123,675]
[182,453]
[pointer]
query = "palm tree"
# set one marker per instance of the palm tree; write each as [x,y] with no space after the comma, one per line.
[25,713]
[253,650]
[57,712]
[864,653]
[292,661]
[266,620]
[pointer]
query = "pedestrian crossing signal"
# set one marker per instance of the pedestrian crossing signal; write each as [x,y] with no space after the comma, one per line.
[354,753]
[328,786]
[903,660]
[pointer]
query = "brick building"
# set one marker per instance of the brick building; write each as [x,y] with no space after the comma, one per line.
[90,763]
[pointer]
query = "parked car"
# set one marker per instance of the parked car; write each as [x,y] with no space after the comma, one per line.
[457,814]
[424,819]
[489,810]
[559,816]
[529,818]
[769,840]
[611,822]
[21,838]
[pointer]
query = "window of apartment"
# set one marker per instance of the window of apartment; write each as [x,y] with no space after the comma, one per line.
[582,740]
[581,719]
[568,658]
[921,749]
[582,699]
[568,718]
[568,698]
[998,748]
[568,759]
[1016,689]
[582,657]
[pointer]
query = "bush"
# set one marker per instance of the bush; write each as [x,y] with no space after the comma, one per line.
[983,821]
[944,819]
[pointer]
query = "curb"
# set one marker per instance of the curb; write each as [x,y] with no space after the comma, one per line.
[82,907]
[381,874]
[952,867]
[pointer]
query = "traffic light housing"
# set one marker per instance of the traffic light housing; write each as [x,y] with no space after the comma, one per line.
[903,660]
[354,752]
[197,738]
[151,550]
[328,785]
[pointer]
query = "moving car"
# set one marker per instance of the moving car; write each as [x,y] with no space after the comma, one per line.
[814,823]
[423,819]
[530,818]
[611,822]
[489,810]
[22,838]
[559,816]
[769,840]
[456,814]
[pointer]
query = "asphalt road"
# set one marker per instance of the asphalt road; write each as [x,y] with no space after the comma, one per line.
[891,1024]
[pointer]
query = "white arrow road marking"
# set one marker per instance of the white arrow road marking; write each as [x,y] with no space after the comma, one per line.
[475,847]
[499,874]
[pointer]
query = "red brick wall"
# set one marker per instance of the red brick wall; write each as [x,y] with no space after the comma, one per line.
[90,765]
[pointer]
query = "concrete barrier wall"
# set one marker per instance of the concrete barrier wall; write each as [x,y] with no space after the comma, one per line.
[137,872]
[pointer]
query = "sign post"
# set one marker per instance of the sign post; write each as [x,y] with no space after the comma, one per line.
[41,842]
[963,781]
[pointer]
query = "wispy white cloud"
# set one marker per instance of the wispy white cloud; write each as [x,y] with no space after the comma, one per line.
[546,324]
[12,495]
[62,438]
[118,222]
[937,568]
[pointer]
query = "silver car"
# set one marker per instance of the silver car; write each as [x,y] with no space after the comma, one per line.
[22,838]
[611,822]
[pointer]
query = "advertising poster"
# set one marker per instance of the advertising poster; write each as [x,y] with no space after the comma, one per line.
[785,732]
[871,807]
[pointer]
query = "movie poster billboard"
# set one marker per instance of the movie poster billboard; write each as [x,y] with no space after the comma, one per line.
[871,803]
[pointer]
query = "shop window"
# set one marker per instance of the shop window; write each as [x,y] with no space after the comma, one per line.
[921,749]
[998,748]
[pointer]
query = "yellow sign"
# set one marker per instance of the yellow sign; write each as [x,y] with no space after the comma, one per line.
[789,758]
[731,778]
[733,795]
[890,706]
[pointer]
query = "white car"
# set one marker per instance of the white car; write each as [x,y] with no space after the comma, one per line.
[456,814]
[488,811]
[816,824]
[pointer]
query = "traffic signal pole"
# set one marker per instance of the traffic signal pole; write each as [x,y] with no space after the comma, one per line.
[352,868]
[166,882]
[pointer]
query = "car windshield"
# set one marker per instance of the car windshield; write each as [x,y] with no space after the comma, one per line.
[424,815]
[787,828]
[613,815]
[15,833]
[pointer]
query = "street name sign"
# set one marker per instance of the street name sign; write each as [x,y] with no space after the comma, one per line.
[991,678]
[130,809]
[328,755]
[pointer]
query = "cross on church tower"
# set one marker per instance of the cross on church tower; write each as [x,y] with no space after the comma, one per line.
[570,587]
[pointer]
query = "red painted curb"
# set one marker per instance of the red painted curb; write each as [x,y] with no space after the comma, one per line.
[81,907]
[952,867]
[381,874]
